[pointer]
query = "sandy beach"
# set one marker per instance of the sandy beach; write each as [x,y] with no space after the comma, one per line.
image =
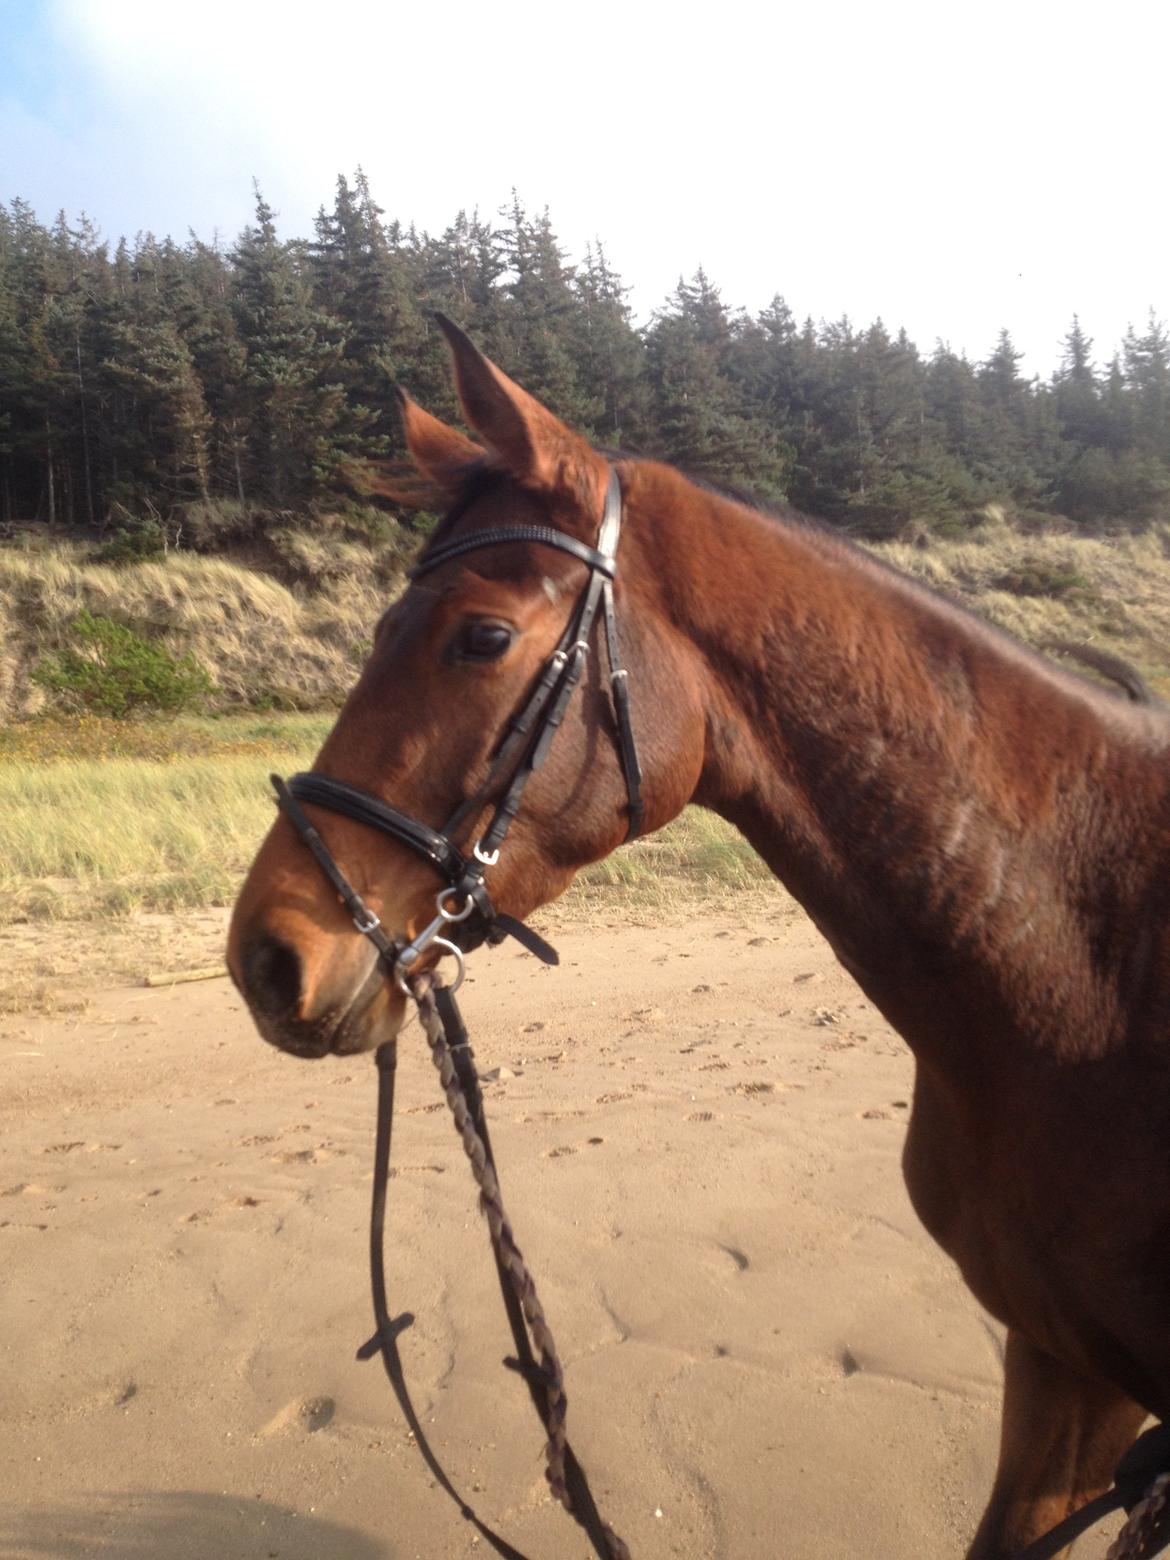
[698,1128]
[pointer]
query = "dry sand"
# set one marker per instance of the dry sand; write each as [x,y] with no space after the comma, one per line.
[698,1134]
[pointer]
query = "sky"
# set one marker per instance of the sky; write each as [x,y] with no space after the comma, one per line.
[953,170]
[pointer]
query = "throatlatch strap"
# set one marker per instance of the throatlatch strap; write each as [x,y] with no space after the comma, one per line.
[619,683]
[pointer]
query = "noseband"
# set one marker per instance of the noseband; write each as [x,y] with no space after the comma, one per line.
[465,915]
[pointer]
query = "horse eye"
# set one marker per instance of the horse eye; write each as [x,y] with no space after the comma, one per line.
[482,642]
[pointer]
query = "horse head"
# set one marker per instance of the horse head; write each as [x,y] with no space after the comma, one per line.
[431,720]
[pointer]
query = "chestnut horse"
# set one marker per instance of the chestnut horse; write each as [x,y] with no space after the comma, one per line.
[983,839]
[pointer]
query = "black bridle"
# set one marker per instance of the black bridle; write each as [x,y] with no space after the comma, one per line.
[467,916]
[465,913]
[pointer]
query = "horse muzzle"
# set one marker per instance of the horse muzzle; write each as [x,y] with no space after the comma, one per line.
[354,1011]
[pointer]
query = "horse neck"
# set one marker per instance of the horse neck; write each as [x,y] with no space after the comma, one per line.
[929,791]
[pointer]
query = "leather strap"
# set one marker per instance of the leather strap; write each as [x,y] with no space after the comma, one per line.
[385,1338]
[497,536]
[583,1507]
[363,917]
[339,797]
[1148,1457]
[619,686]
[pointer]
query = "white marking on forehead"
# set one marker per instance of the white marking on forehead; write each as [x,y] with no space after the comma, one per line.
[551,589]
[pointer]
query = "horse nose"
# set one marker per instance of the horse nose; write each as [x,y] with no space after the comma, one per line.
[271,976]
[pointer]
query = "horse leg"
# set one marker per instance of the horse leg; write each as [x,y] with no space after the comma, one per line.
[1061,1437]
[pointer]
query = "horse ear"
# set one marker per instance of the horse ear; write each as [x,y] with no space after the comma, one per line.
[440,453]
[534,446]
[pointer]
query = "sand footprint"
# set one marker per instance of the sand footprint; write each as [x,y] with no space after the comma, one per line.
[740,1258]
[301,1156]
[304,1414]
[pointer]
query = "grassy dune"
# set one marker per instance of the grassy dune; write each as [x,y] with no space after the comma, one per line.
[260,641]
[268,644]
[101,817]
[1110,592]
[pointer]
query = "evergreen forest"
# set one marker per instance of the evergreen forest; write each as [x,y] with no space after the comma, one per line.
[178,393]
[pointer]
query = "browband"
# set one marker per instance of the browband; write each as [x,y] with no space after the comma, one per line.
[544,535]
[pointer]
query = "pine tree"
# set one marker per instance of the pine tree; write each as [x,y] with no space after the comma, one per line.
[1078,398]
[361,284]
[608,354]
[538,321]
[703,422]
[295,405]
[1147,373]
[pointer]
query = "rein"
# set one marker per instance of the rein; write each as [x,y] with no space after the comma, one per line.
[453,1057]
[465,917]
[1141,1485]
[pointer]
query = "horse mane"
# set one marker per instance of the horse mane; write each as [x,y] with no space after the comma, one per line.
[1132,683]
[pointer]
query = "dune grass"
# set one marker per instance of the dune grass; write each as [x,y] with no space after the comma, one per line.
[102,818]
[105,817]
[696,859]
[1111,592]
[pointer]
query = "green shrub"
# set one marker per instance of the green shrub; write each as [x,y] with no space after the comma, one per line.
[1036,576]
[111,670]
[136,541]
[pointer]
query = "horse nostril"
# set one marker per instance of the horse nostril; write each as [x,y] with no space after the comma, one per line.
[272,975]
